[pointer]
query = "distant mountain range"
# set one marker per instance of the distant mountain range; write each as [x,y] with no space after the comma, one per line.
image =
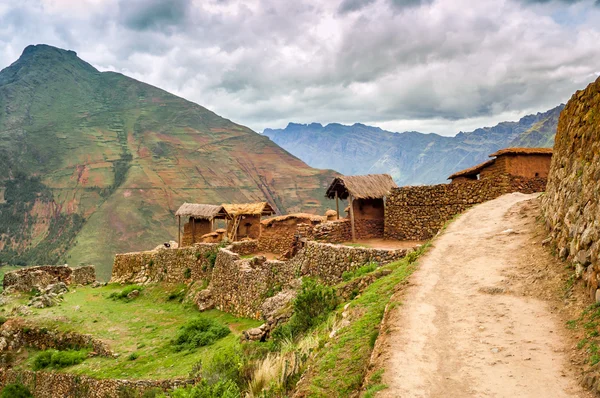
[412,158]
[96,163]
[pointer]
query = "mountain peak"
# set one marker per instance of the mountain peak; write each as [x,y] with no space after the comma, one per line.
[46,49]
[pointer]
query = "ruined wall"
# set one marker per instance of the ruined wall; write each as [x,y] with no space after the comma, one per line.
[419,212]
[277,236]
[164,265]
[244,247]
[572,202]
[28,278]
[64,385]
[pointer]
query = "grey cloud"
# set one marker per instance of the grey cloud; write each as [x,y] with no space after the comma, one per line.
[353,5]
[144,15]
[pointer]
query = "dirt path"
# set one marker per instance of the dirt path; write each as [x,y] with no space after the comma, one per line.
[460,333]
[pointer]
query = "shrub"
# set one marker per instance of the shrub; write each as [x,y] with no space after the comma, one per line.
[133,356]
[122,295]
[199,332]
[58,359]
[211,257]
[187,274]
[311,306]
[227,363]
[15,390]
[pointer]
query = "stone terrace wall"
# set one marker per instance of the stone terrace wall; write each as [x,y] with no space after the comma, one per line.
[64,385]
[240,286]
[244,247]
[328,262]
[572,202]
[164,265]
[25,279]
[419,212]
[15,334]
[333,231]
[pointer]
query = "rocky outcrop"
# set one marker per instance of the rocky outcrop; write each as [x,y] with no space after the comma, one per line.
[38,278]
[572,201]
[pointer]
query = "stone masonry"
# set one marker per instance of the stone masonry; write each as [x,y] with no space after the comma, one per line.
[28,278]
[572,202]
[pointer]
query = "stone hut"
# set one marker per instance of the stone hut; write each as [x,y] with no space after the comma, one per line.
[200,221]
[528,163]
[243,220]
[366,199]
[278,233]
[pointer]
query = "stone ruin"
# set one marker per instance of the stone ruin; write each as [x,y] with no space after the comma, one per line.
[39,278]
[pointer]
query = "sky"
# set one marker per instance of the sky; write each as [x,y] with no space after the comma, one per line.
[439,66]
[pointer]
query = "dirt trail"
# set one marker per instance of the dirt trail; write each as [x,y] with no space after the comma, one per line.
[460,333]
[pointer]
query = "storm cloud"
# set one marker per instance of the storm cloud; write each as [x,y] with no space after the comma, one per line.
[440,65]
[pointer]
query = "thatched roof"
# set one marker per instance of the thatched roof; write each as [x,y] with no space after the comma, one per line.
[260,208]
[300,216]
[523,151]
[206,212]
[370,186]
[472,171]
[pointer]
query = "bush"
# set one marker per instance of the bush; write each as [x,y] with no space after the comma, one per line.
[133,356]
[199,332]
[122,295]
[58,359]
[311,306]
[15,390]
[211,257]
[187,274]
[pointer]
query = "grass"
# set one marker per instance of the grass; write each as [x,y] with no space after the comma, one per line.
[365,269]
[54,359]
[143,328]
[589,321]
[340,368]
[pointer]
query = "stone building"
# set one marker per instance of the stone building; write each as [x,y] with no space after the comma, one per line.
[518,162]
[243,220]
[200,221]
[366,200]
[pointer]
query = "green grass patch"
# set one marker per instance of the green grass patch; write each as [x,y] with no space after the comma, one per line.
[124,294]
[15,390]
[589,322]
[145,326]
[339,369]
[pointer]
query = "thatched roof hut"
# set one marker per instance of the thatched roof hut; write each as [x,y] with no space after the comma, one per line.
[370,186]
[201,211]
[255,209]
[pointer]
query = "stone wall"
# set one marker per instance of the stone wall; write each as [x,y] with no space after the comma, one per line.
[164,265]
[328,262]
[244,247]
[572,202]
[64,385]
[419,212]
[15,334]
[333,231]
[240,286]
[28,278]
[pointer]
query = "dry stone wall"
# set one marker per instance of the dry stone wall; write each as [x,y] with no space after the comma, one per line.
[240,286]
[419,212]
[164,265]
[28,278]
[64,385]
[572,202]
[333,231]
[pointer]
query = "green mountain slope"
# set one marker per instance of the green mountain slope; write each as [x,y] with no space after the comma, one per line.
[410,157]
[94,163]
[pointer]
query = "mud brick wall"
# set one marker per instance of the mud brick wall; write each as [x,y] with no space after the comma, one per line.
[367,229]
[164,265]
[28,278]
[277,236]
[240,286]
[64,385]
[193,231]
[572,201]
[419,212]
